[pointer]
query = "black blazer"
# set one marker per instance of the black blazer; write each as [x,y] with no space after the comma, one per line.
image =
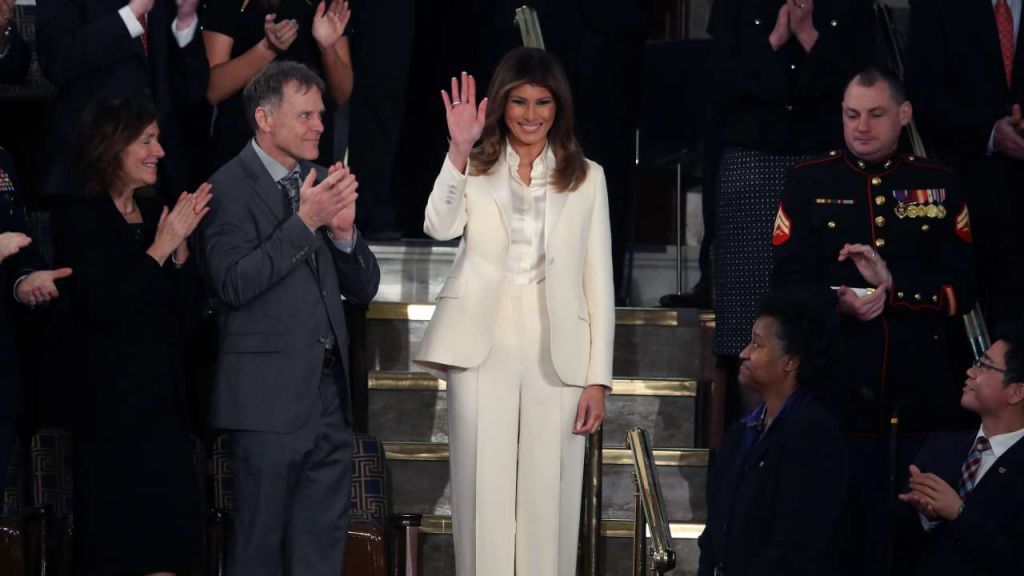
[85,50]
[986,539]
[785,101]
[12,219]
[778,511]
[14,65]
[126,315]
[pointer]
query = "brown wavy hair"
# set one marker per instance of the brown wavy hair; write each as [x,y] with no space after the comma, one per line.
[107,128]
[537,67]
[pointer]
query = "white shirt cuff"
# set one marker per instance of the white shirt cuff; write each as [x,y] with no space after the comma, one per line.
[134,26]
[345,246]
[184,36]
[992,140]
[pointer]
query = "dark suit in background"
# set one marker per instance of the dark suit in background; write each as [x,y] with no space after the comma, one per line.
[137,506]
[86,51]
[778,509]
[14,64]
[12,219]
[280,287]
[985,540]
[958,85]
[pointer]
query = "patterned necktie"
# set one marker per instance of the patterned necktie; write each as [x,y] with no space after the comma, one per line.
[969,471]
[1004,24]
[145,35]
[291,184]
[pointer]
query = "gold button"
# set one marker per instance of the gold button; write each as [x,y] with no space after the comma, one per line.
[834,153]
[834,23]
[879,242]
[925,227]
[757,21]
[880,221]
[917,296]
[876,181]
[860,164]
[880,200]
[935,297]
[831,224]
[899,294]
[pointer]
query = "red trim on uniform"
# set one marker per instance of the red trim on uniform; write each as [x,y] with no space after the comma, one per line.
[950,295]
[962,225]
[782,230]
[925,163]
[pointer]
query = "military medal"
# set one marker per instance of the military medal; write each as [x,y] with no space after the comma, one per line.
[901,211]
[941,211]
[932,211]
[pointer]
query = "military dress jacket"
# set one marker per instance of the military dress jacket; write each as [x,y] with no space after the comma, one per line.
[910,210]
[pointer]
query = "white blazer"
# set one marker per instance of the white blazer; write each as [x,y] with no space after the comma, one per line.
[578,275]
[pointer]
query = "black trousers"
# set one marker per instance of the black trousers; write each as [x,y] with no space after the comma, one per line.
[292,493]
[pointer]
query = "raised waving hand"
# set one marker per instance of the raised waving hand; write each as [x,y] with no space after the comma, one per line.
[465,119]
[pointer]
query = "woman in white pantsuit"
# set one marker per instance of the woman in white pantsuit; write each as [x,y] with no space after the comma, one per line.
[524,325]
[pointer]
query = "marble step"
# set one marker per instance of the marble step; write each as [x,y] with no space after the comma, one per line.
[411,407]
[649,342]
[438,554]
[419,479]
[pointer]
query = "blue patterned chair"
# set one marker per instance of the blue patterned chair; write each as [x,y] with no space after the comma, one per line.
[12,537]
[51,522]
[366,552]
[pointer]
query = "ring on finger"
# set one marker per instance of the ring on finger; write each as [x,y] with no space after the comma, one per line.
[456,103]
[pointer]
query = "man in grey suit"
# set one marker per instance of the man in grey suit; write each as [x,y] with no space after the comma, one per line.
[281,250]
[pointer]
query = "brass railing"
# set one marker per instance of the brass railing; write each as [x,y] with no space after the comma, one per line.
[650,510]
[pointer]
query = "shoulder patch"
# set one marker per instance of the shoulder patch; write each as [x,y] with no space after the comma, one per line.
[828,157]
[783,228]
[963,225]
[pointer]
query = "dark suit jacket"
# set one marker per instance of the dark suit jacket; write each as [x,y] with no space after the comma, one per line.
[985,540]
[958,87]
[258,258]
[14,65]
[785,100]
[777,511]
[85,50]
[12,219]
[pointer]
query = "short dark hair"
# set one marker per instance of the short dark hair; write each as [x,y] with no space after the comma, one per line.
[872,75]
[1013,336]
[266,88]
[109,126]
[807,332]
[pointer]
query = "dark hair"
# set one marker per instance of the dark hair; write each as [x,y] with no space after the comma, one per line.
[872,75]
[807,332]
[1013,336]
[532,66]
[107,128]
[266,89]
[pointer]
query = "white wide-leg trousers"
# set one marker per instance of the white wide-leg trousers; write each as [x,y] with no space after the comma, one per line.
[516,467]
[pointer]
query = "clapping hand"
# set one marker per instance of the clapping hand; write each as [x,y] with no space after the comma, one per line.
[1007,134]
[932,496]
[140,7]
[177,224]
[342,224]
[874,270]
[329,22]
[40,286]
[11,243]
[6,13]
[279,35]
[320,203]
[465,119]
[781,33]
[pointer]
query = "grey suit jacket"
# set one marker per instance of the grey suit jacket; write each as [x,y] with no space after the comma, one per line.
[258,261]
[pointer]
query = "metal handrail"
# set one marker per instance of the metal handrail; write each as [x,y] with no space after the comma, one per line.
[974,321]
[529,27]
[650,509]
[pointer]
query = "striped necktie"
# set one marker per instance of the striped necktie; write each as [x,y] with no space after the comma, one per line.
[969,471]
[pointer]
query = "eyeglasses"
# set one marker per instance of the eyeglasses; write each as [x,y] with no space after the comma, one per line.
[979,363]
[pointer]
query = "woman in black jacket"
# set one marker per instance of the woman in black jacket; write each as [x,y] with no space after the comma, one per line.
[778,484]
[137,507]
